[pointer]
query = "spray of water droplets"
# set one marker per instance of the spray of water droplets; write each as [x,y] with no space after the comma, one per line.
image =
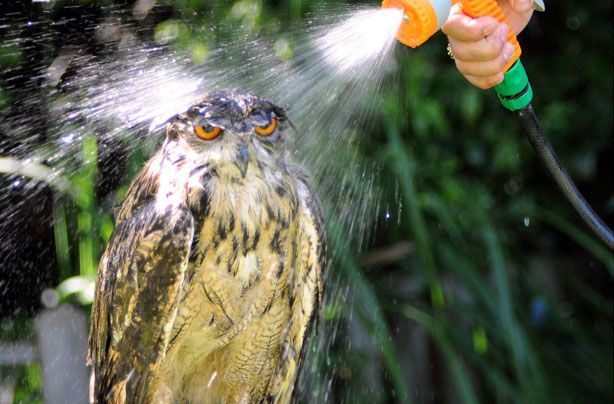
[327,87]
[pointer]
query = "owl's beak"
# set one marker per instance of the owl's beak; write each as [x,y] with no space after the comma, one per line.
[243,158]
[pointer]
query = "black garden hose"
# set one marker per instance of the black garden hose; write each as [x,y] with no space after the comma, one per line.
[532,128]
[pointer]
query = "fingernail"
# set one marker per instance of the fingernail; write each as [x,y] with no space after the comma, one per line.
[497,79]
[508,51]
[504,31]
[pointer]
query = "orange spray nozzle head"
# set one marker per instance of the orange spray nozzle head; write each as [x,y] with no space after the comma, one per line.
[421,19]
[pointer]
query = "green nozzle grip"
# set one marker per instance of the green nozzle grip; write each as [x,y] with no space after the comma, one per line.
[515,91]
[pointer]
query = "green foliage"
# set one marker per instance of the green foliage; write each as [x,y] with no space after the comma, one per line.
[372,313]
[25,378]
[10,56]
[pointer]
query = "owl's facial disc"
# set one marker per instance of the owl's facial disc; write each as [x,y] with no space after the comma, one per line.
[233,132]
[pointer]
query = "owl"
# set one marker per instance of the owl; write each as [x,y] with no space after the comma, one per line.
[213,276]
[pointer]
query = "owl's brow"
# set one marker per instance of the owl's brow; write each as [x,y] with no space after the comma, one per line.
[279,111]
[220,111]
[218,116]
[183,118]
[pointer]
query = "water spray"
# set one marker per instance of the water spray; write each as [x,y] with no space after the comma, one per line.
[423,18]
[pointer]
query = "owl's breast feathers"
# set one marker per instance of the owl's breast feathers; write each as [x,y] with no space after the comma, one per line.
[224,315]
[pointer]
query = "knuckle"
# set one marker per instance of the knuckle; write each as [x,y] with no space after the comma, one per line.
[453,27]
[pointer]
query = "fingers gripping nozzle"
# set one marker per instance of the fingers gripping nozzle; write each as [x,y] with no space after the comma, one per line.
[514,91]
[422,18]
[482,8]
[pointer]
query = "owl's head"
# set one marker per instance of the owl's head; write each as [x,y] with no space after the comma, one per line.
[229,129]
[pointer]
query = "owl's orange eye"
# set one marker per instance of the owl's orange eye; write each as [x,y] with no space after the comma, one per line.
[269,129]
[207,132]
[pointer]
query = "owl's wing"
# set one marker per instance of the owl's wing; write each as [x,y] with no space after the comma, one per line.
[306,293]
[137,291]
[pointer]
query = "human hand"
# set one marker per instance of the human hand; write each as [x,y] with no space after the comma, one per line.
[480,46]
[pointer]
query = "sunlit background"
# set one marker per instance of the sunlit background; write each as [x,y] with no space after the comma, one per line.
[457,272]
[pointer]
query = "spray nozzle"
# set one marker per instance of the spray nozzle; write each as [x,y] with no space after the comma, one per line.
[421,19]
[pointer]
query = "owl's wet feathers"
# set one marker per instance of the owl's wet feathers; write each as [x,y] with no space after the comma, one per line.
[214,274]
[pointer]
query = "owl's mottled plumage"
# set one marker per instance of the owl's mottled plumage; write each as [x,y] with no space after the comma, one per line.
[213,275]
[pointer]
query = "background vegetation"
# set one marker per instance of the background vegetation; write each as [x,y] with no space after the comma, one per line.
[482,286]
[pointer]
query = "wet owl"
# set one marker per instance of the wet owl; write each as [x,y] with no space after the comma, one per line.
[213,275]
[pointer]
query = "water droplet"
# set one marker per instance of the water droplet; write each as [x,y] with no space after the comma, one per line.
[67,138]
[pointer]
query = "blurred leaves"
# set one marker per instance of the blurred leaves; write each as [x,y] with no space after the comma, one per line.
[370,308]
[169,30]
[10,56]
[82,287]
